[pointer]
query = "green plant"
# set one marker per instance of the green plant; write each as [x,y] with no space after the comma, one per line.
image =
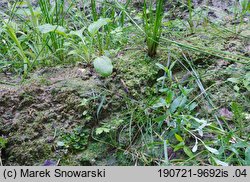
[177,124]
[109,129]
[18,47]
[201,49]
[3,143]
[96,35]
[95,18]
[76,140]
[238,117]
[240,9]
[53,19]
[103,37]
[103,66]
[94,28]
[240,82]
[13,41]
[123,15]
[245,7]
[80,46]
[190,17]
[152,25]
[39,35]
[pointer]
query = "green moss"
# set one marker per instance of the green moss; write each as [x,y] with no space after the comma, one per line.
[34,153]
[137,71]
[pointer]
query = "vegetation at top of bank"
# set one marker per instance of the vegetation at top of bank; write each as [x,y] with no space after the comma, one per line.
[183,69]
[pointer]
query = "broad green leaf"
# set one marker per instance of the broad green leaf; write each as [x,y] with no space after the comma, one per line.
[188,151]
[102,130]
[212,150]
[185,91]
[178,137]
[27,12]
[219,162]
[160,118]
[241,144]
[202,121]
[60,144]
[78,33]
[160,66]
[233,80]
[103,66]
[46,28]
[73,52]
[234,150]
[193,106]
[23,11]
[161,103]
[247,156]
[236,88]
[178,146]
[175,104]
[178,102]
[246,84]
[170,96]
[94,27]
[247,76]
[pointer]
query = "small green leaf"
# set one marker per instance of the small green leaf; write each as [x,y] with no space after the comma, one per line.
[193,106]
[102,130]
[233,80]
[212,150]
[188,151]
[23,11]
[170,96]
[160,66]
[60,144]
[46,28]
[160,119]
[247,156]
[178,102]
[219,162]
[160,103]
[94,27]
[236,88]
[178,146]
[103,66]
[78,33]
[178,137]
[84,102]
[246,84]
[3,142]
